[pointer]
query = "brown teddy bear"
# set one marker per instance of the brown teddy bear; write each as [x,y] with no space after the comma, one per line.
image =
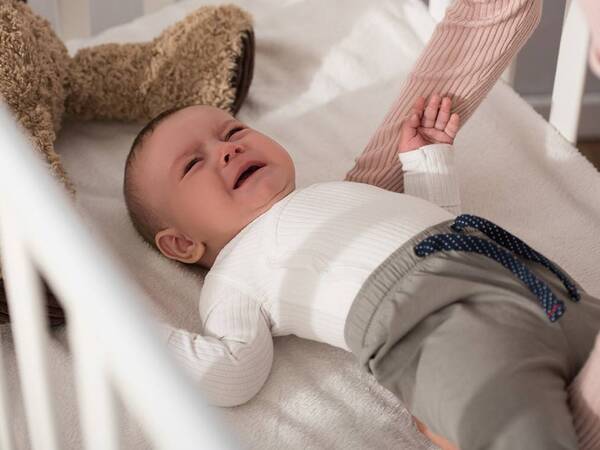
[206,58]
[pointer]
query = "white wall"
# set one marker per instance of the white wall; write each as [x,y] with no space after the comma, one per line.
[82,18]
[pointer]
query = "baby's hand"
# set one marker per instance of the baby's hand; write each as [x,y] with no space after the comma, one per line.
[431,125]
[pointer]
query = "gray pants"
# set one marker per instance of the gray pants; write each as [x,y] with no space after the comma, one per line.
[464,344]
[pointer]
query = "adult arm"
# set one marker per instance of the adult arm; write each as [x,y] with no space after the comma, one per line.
[584,399]
[465,56]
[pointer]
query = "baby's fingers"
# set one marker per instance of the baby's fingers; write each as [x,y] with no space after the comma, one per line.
[418,106]
[409,127]
[453,126]
[443,114]
[413,121]
[436,136]
[431,111]
[408,131]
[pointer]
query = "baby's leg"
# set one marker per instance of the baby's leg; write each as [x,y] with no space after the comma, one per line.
[535,374]
[467,345]
[484,385]
[579,327]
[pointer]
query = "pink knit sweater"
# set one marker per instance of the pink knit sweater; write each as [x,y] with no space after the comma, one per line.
[591,9]
[464,58]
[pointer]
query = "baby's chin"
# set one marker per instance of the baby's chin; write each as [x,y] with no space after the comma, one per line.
[270,192]
[267,183]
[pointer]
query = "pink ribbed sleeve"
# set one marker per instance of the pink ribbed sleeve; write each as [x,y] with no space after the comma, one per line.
[465,56]
[584,397]
[591,10]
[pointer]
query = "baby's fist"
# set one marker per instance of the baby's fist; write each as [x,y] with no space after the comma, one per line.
[431,125]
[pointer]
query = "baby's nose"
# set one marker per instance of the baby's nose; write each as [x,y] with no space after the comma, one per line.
[231,151]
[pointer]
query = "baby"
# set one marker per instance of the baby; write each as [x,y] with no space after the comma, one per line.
[461,320]
[327,261]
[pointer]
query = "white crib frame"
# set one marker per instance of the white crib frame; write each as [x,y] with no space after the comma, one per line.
[104,366]
[167,403]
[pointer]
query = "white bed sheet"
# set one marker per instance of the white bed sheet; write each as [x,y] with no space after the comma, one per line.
[324,78]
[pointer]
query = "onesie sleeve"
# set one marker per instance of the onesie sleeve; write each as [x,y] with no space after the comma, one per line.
[231,359]
[429,173]
[466,54]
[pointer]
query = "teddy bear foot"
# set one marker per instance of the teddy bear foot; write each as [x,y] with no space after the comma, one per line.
[242,77]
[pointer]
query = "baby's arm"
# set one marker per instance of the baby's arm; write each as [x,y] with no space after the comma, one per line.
[426,153]
[232,358]
[467,53]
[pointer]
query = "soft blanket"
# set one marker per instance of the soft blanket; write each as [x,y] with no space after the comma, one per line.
[324,77]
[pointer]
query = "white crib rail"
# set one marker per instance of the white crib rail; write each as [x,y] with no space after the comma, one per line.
[154,388]
[29,331]
[571,67]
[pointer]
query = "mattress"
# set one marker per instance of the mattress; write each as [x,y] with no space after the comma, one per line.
[320,88]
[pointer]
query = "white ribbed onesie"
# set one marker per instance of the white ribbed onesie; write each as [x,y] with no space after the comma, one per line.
[296,269]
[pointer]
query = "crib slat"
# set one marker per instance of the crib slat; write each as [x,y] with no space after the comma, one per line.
[29,327]
[6,436]
[97,407]
[510,73]
[102,293]
[571,67]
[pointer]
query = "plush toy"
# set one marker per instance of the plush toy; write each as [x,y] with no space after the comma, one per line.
[205,58]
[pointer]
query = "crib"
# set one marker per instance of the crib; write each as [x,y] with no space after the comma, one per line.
[167,404]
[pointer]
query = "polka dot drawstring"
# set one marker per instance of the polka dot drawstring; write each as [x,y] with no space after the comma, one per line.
[511,242]
[552,305]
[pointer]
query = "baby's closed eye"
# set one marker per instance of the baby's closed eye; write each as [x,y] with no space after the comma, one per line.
[233,131]
[189,165]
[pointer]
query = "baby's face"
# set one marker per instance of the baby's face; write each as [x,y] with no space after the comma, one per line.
[190,170]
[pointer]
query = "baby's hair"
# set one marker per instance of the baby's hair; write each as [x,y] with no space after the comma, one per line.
[146,221]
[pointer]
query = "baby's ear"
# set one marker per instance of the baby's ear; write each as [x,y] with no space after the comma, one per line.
[175,245]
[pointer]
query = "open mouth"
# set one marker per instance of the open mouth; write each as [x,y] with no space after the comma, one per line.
[246,174]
